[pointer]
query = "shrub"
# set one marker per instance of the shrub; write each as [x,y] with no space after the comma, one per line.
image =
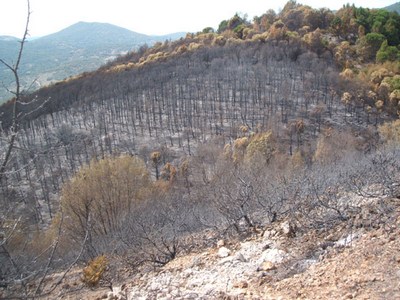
[103,193]
[378,75]
[390,132]
[393,82]
[260,148]
[94,271]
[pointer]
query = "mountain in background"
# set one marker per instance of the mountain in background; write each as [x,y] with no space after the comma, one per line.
[79,48]
[394,7]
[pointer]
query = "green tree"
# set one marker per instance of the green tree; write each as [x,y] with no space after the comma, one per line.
[363,16]
[387,53]
[392,30]
[378,19]
[208,30]
[222,26]
[235,21]
[236,24]
[368,45]
[336,25]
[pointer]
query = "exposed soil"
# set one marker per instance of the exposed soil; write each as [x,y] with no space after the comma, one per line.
[348,261]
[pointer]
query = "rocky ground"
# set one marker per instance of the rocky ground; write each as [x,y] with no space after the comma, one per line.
[348,261]
[367,267]
[357,259]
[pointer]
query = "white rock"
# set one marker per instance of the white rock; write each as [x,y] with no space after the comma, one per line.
[191,296]
[228,259]
[155,286]
[267,234]
[224,252]
[137,296]
[208,289]
[240,257]
[187,273]
[347,241]
[287,229]
[117,294]
[274,255]
[195,261]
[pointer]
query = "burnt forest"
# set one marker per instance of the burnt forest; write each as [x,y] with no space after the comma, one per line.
[290,117]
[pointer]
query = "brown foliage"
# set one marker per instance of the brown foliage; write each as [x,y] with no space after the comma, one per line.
[94,271]
[390,132]
[168,172]
[332,146]
[103,193]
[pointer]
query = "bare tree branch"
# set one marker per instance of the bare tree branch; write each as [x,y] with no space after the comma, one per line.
[50,260]
[17,93]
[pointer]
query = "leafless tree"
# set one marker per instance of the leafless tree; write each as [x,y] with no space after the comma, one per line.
[22,270]
[14,68]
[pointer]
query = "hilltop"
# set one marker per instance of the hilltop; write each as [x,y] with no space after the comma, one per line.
[79,48]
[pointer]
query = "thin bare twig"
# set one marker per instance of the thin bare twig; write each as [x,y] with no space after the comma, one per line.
[50,260]
[17,93]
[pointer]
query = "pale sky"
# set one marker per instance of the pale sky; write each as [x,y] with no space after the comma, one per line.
[152,17]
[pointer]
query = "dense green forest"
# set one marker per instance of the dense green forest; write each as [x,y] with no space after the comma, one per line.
[283,117]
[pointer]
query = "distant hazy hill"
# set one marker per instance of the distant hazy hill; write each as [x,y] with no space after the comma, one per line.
[73,50]
[394,7]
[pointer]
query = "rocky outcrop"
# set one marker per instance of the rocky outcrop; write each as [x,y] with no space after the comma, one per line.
[213,273]
[350,260]
[282,264]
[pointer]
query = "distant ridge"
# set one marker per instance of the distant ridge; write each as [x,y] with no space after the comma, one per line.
[78,48]
[94,32]
[394,7]
[7,38]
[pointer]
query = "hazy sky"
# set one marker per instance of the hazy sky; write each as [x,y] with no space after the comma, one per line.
[144,16]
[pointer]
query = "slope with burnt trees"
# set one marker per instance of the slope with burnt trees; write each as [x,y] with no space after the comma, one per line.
[224,131]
